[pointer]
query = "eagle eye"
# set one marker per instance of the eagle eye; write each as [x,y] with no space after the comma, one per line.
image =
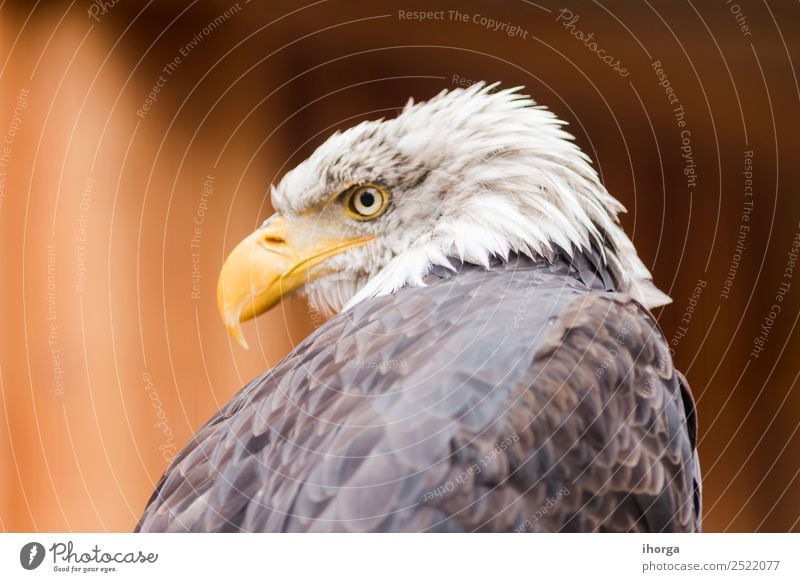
[365,201]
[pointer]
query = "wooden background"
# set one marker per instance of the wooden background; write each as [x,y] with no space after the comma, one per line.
[109,359]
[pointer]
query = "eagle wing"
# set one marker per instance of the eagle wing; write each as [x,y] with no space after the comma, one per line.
[608,427]
[519,398]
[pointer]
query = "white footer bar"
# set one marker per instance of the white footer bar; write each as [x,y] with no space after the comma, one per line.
[402,557]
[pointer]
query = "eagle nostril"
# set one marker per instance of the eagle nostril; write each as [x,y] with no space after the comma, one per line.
[273,238]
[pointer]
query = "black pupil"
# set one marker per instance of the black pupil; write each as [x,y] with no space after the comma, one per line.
[367,199]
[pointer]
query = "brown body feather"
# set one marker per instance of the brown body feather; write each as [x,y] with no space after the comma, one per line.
[526,397]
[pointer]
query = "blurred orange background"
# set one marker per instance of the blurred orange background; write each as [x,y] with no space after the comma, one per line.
[138,142]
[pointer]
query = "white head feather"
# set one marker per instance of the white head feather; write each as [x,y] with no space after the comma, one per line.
[472,174]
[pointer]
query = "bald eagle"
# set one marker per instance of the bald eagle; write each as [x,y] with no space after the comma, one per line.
[490,365]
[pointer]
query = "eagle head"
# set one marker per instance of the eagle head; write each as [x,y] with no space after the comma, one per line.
[470,175]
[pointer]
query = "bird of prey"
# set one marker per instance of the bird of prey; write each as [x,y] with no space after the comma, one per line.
[491,363]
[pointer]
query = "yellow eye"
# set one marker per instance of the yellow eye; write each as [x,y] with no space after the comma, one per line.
[366,201]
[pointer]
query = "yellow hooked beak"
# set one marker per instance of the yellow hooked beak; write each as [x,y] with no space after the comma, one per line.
[268,265]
